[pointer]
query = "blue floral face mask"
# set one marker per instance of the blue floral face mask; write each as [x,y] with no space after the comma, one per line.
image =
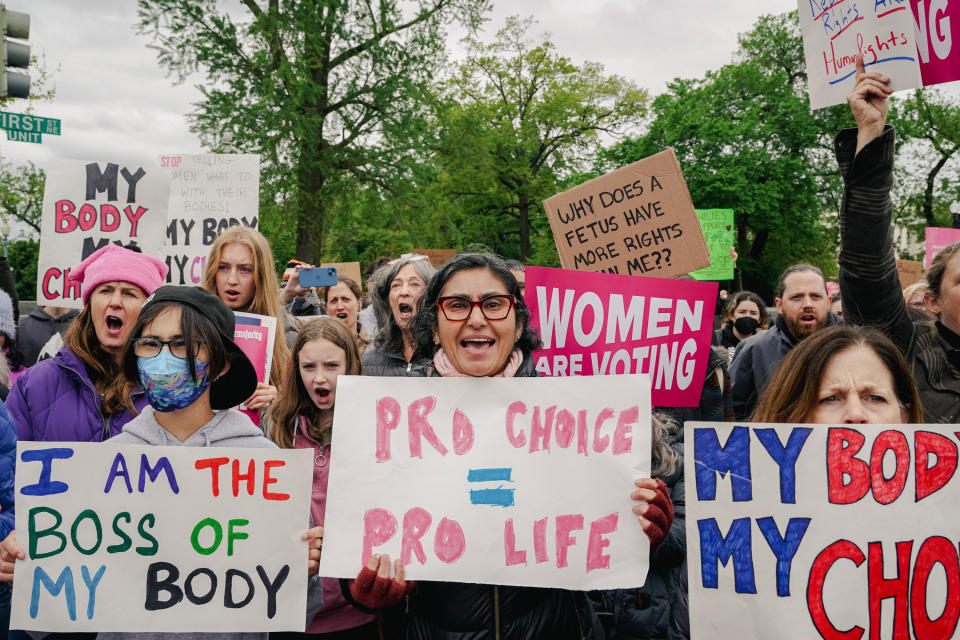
[167,381]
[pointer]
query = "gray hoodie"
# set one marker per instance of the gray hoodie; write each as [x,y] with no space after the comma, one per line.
[228,428]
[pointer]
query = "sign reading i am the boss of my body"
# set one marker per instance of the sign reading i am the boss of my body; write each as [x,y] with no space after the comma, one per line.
[128,538]
[87,205]
[519,481]
[818,531]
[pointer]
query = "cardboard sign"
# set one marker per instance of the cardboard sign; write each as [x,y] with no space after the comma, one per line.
[255,335]
[718,231]
[937,238]
[598,324]
[518,481]
[834,31]
[208,193]
[809,531]
[437,257]
[935,22]
[349,269]
[637,220]
[87,205]
[140,538]
[910,272]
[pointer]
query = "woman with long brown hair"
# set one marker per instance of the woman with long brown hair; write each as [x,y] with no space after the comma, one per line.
[240,271]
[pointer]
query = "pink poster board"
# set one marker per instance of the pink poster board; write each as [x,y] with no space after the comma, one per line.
[601,324]
[255,334]
[937,238]
[935,23]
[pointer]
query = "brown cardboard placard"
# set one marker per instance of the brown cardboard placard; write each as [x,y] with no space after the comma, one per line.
[436,256]
[347,269]
[637,220]
[910,272]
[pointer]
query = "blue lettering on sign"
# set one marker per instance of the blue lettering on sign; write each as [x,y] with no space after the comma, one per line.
[44,486]
[785,457]
[783,547]
[714,547]
[733,458]
[162,465]
[64,583]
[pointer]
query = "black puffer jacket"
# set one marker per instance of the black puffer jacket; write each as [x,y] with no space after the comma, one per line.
[384,362]
[461,611]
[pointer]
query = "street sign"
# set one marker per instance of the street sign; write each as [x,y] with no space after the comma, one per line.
[23,136]
[29,123]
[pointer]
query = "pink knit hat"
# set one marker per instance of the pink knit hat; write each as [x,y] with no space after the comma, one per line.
[114,263]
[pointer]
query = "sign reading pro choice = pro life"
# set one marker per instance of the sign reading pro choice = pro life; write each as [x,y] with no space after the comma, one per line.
[150,538]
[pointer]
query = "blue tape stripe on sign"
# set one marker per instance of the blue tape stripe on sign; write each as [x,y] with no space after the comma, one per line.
[495,497]
[489,475]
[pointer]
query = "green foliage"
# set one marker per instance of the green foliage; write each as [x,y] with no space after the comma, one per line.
[23,256]
[320,88]
[21,193]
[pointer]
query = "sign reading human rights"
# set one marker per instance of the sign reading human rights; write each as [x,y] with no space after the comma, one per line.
[87,205]
[208,193]
[818,531]
[520,481]
[133,538]
[637,220]
[598,324]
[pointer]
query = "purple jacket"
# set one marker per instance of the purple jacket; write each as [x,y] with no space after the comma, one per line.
[54,400]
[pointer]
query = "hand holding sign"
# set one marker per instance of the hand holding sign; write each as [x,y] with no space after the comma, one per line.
[869,104]
[10,552]
[373,587]
[656,515]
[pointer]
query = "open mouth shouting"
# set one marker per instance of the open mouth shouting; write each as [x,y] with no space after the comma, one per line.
[114,325]
[322,397]
[406,311]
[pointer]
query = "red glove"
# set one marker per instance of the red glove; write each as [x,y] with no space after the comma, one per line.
[375,591]
[660,515]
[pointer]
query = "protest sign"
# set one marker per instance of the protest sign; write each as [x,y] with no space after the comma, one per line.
[255,335]
[208,193]
[718,231]
[437,257]
[939,59]
[597,324]
[87,205]
[834,31]
[910,271]
[518,481]
[803,531]
[348,269]
[637,220]
[140,538]
[937,238]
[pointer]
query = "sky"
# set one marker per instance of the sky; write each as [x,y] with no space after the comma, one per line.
[116,103]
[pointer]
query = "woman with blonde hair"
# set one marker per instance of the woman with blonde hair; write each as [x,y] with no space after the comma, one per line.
[240,271]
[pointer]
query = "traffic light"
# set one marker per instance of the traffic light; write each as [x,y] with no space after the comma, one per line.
[14,24]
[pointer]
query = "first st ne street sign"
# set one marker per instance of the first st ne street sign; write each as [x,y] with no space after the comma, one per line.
[24,127]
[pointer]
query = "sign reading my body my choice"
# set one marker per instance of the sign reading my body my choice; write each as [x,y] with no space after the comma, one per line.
[520,481]
[208,193]
[87,205]
[819,531]
[131,538]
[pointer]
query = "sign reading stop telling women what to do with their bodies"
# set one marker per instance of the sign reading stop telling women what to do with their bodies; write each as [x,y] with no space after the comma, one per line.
[600,323]
[208,193]
[89,204]
[128,538]
[908,40]
[818,531]
[519,481]
[637,220]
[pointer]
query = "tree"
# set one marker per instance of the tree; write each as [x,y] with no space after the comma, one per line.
[21,193]
[747,140]
[311,85]
[515,117]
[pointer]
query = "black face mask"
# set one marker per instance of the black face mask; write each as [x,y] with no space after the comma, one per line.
[746,326]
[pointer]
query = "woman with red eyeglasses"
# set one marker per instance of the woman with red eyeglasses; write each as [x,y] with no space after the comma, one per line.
[472,322]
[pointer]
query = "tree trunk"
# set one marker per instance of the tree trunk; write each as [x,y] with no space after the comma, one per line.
[928,192]
[311,215]
[523,208]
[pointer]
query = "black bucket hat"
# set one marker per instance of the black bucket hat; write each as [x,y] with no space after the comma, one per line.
[240,380]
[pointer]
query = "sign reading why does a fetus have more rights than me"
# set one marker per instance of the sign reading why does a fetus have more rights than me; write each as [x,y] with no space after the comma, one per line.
[133,538]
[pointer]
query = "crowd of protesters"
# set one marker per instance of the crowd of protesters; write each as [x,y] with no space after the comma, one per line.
[151,364]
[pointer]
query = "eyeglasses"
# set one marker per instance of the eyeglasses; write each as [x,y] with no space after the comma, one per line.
[458,308]
[151,347]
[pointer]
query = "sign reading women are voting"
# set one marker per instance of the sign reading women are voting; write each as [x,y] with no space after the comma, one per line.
[818,531]
[600,323]
[89,204]
[129,538]
[519,481]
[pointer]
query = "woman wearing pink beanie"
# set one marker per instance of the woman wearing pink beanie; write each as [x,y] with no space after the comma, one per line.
[81,394]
